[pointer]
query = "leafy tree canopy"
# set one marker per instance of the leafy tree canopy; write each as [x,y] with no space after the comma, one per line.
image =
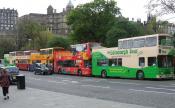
[91,21]
[59,42]
[123,28]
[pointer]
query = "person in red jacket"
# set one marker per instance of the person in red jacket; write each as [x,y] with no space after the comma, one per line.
[5,83]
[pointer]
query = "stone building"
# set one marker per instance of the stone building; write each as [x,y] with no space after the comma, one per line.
[8,21]
[55,22]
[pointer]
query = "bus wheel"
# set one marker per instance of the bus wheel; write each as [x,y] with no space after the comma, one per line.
[79,72]
[140,75]
[103,74]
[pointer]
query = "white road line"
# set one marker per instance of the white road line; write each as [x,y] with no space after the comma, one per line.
[106,87]
[151,91]
[125,83]
[34,79]
[74,82]
[56,82]
[165,86]
[161,88]
[66,80]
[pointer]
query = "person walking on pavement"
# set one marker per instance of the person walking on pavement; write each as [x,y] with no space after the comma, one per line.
[5,83]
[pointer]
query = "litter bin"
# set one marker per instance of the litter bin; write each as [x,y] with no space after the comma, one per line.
[20,81]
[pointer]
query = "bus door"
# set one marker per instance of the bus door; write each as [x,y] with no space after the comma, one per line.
[165,63]
[115,67]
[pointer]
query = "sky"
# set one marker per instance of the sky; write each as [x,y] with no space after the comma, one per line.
[129,8]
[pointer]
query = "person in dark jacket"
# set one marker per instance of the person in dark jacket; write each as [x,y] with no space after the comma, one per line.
[5,83]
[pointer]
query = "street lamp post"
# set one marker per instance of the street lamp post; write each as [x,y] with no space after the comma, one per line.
[30,43]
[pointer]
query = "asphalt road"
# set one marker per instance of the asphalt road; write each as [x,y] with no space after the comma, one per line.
[159,94]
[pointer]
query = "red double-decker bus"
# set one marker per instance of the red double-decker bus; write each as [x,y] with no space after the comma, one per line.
[77,61]
[23,59]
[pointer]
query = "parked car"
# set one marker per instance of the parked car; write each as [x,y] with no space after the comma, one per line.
[41,69]
[13,71]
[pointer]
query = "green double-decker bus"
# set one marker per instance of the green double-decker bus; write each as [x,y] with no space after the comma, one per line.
[140,57]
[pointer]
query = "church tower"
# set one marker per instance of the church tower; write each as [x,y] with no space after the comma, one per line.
[69,6]
[50,10]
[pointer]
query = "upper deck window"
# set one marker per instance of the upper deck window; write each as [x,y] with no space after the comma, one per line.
[166,40]
[139,43]
[43,52]
[151,41]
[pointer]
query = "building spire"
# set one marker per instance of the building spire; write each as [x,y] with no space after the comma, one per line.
[69,6]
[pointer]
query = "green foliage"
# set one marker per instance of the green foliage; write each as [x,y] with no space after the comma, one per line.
[91,21]
[123,28]
[113,35]
[7,45]
[42,39]
[59,42]
[29,33]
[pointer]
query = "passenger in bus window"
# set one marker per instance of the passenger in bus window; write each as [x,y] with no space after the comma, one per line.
[113,64]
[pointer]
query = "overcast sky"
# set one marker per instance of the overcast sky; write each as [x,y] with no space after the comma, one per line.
[129,8]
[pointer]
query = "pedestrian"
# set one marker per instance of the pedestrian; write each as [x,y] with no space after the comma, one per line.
[5,83]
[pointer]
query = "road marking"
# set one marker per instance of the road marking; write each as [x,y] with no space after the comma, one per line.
[106,87]
[51,81]
[125,83]
[33,78]
[93,80]
[165,86]
[151,91]
[66,80]
[160,88]
[74,82]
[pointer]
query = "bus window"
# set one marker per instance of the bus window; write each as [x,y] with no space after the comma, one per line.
[60,63]
[87,63]
[102,62]
[164,40]
[151,41]
[151,61]
[141,61]
[165,61]
[42,52]
[50,51]
[125,44]
[112,62]
[119,62]
[139,43]
[68,63]
[130,44]
[120,44]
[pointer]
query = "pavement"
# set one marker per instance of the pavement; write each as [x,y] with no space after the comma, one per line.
[36,98]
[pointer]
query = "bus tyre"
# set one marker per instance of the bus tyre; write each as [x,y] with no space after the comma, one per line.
[79,72]
[140,75]
[103,74]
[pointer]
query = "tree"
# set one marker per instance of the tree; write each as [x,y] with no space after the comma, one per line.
[6,45]
[113,35]
[59,42]
[161,7]
[28,29]
[91,21]
[123,28]
[42,39]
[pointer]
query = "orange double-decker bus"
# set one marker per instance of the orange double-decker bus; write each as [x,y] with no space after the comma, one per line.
[47,55]
[77,61]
